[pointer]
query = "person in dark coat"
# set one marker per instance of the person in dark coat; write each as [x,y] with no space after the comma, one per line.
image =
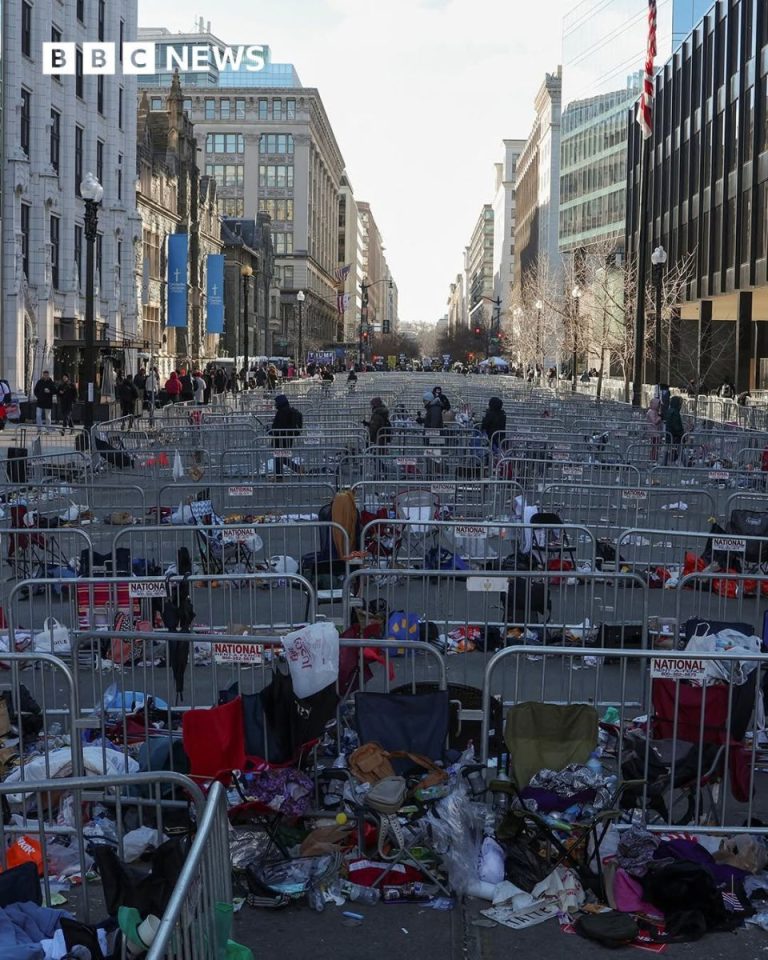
[44,392]
[674,428]
[127,394]
[445,403]
[187,387]
[66,394]
[495,419]
[286,426]
[378,425]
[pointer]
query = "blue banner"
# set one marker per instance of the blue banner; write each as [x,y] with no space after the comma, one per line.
[177,280]
[215,293]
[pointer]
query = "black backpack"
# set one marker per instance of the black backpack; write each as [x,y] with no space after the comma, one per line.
[609,929]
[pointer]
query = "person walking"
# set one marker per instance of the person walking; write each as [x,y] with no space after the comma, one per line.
[653,426]
[66,394]
[674,429]
[494,420]
[173,387]
[379,433]
[219,385]
[187,390]
[140,382]
[432,417]
[286,426]
[127,395]
[198,385]
[44,392]
[271,376]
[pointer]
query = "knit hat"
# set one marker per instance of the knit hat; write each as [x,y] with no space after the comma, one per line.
[281,400]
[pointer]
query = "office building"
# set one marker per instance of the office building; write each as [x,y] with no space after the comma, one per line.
[708,198]
[504,225]
[55,130]
[457,305]
[172,196]
[604,47]
[478,271]
[351,235]
[374,268]
[537,193]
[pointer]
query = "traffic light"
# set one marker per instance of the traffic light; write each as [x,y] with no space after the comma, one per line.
[478,331]
[365,336]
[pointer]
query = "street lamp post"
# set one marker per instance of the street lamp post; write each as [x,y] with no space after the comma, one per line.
[246,271]
[658,260]
[576,294]
[92,193]
[539,307]
[300,297]
[364,288]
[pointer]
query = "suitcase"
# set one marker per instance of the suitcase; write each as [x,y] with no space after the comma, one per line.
[16,464]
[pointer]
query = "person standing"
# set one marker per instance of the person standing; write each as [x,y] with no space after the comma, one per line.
[272,376]
[219,384]
[44,392]
[173,387]
[286,426]
[140,382]
[494,420]
[653,426]
[187,390]
[127,394]
[674,428]
[199,388]
[66,394]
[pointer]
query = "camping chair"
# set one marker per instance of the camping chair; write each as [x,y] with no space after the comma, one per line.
[328,568]
[413,725]
[417,508]
[32,553]
[552,736]
[550,545]
[220,553]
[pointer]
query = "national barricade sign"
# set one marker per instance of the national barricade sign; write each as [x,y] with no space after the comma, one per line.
[677,668]
[147,589]
[238,653]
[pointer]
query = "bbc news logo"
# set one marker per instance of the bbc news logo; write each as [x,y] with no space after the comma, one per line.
[141,58]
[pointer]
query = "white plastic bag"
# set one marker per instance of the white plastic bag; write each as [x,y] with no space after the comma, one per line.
[53,638]
[178,467]
[313,657]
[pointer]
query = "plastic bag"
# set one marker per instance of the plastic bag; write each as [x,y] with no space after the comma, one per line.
[456,827]
[178,467]
[313,658]
[53,638]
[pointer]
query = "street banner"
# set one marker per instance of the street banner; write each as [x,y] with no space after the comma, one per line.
[177,280]
[215,293]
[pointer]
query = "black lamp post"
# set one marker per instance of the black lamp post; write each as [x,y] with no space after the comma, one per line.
[92,193]
[245,272]
[576,294]
[658,261]
[300,298]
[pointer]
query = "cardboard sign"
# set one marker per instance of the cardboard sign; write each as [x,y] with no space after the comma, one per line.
[487,584]
[240,492]
[729,544]
[238,653]
[677,668]
[147,589]
[634,494]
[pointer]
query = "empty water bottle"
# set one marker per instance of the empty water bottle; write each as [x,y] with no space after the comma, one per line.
[315,898]
[358,894]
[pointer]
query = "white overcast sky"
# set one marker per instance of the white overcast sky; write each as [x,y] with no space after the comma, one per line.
[420,94]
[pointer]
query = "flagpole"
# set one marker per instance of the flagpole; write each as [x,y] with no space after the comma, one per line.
[642,260]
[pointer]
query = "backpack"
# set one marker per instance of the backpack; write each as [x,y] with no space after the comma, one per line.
[609,929]
[297,419]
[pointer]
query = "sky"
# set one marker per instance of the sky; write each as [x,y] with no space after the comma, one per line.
[420,94]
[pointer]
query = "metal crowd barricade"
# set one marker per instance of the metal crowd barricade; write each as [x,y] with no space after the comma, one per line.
[253,498]
[716,478]
[307,457]
[191,927]
[71,466]
[35,553]
[468,499]
[701,725]
[532,472]
[95,502]
[144,797]
[607,511]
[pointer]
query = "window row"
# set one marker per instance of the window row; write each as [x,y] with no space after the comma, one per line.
[280,210]
[276,143]
[226,174]
[276,175]
[276,109]
[60,268]
[282,243]
[231,206]
[224,143]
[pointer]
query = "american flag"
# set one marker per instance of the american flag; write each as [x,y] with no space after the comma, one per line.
[645,106]
[342,301]
[341,273]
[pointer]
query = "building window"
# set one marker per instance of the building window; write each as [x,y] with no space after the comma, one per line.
[101,19]
[81,10]
[120,41]
[280,210]
[100,93]
[120,107]
[55,238]
[156,103]
[78,252]
[288,277]
[290,109]
[225,174]
[210,109]
[224,108]
[78,159]
[26,28]
[25,120]
[277,109]
[187,106]
[224,143]
[25,211]
[100,161]
[263,108]
[79,74]
[119,176]
[240,108]
[276,143]
[55,151]
[231,206]
[276,175]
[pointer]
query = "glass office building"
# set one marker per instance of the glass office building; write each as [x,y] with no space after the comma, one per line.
[604,44]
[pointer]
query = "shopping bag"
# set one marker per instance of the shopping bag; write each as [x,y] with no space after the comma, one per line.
[313,658]
[178,467]
[53,638]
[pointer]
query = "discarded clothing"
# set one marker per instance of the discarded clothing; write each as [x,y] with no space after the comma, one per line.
[22,928]
[635,850]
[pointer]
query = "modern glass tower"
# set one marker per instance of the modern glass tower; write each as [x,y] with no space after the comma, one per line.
[604,44]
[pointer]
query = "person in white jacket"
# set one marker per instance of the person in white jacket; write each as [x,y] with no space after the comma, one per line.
[199,387]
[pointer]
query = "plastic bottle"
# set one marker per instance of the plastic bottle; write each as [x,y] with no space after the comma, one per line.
[315,898]
[594,764]
[358,894]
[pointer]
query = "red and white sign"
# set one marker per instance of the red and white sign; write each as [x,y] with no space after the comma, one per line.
[238,653]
